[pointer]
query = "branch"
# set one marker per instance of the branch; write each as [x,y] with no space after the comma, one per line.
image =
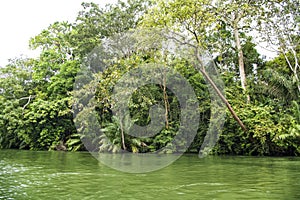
[182,42]
[29,99]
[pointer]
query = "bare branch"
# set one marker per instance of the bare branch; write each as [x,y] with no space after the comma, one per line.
[29,99]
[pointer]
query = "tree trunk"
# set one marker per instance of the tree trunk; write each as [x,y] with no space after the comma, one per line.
[240,55]
[294,68]
[202,70]
[211,82]
[166,102]
[224,100]
[122,135]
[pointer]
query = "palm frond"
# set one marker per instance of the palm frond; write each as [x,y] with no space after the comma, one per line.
[278,85]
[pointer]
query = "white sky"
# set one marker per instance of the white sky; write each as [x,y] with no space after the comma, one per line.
[22,19]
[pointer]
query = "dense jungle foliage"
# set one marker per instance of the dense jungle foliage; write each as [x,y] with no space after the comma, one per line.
[37,97]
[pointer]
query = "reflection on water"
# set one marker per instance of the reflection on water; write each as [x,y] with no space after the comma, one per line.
[136,163]
[61,175]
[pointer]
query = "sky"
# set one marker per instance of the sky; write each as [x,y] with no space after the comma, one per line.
[20,20]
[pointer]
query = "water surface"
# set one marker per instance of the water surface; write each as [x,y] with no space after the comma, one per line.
[66,175]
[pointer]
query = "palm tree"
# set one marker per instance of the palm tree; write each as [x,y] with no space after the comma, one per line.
[279,85]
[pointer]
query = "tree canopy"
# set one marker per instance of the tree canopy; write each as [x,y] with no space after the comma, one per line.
[39,111]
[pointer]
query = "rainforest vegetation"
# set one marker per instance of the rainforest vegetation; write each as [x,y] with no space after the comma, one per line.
[262,96]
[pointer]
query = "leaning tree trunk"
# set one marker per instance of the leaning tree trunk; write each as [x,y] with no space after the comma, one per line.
[211,82]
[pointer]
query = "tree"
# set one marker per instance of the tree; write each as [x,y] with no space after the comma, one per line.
[279,27]
[94,23]
[15,96]
[276,80]
[197,21]
[238,16]
[37,95]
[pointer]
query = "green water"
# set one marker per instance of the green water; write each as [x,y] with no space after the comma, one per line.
[61,175]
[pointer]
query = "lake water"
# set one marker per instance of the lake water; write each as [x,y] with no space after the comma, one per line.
[66,175]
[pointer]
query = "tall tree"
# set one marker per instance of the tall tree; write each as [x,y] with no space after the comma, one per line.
[279,27]
[191,23]
[238,16]
[94,23]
